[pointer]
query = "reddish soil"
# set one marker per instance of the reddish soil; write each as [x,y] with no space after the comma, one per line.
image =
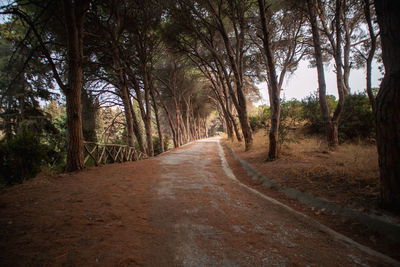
[179,209]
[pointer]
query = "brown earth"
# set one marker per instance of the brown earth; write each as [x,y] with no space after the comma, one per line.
[178,209]
[347,175]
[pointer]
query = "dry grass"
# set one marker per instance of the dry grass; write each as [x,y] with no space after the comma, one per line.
[346,174]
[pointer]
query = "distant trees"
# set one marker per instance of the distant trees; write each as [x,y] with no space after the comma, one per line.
[219,28]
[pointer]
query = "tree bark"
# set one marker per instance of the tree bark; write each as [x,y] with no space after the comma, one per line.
[371,54]
[137,130]
[128,113]
[330,135]
[74,18]
[237,72]
[147,118]
[89,110]
[334,141]
[274,90]
[171,124]
[123,91]
[388,103]
[158,122]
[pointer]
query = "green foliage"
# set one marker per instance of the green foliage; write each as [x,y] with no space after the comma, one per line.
[290,116]
[57,142]
[311,112]
[357,119]
[21,158]
[261,119]
[156,144]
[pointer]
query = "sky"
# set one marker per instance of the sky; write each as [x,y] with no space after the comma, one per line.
[304,81]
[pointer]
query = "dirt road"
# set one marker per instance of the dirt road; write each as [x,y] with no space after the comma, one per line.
[183,208]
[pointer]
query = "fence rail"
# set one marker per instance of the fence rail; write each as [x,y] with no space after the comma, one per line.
[109,153]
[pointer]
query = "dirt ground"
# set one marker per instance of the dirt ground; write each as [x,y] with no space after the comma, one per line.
[178,209]
[348,175]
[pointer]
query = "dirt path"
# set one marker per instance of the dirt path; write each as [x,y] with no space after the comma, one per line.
[180,209]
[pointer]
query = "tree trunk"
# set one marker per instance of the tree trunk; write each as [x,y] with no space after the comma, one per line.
[241,98]
[137,130]
[187,117]
[74,123]
[128,114]
[334,141]
[273,88]
[371,54]
[183,129]
[158,122]
[228,125]
[346,61]
[321,75]
[143,111]
[74,16]
[178,124]
[171,125]
[388,103]
[228,90]
[89,110]
[147,119]
[123,90]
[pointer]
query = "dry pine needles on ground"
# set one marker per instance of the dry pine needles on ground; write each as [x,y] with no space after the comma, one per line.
[348,174]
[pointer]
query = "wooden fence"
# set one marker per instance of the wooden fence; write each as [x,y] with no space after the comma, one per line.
[99,154]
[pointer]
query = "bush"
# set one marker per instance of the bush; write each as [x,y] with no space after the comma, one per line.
[57,143]
[311,112]
[21,158]
[261,119]
[156,144]
[357,119]
[290,116]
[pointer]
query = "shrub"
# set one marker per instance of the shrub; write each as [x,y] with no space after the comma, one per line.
[261,119]
[311,112]
[57,143]
[156,144]
[357,119]
[21,158]
[290,116]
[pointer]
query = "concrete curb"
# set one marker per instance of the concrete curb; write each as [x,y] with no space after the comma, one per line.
[381,223]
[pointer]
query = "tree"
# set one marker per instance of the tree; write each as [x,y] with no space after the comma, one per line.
[370,46]
[331,123]
[112,20]
[24,82]
[274,91]
[388,103]
[73,14]
[280,47]
[345,16]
